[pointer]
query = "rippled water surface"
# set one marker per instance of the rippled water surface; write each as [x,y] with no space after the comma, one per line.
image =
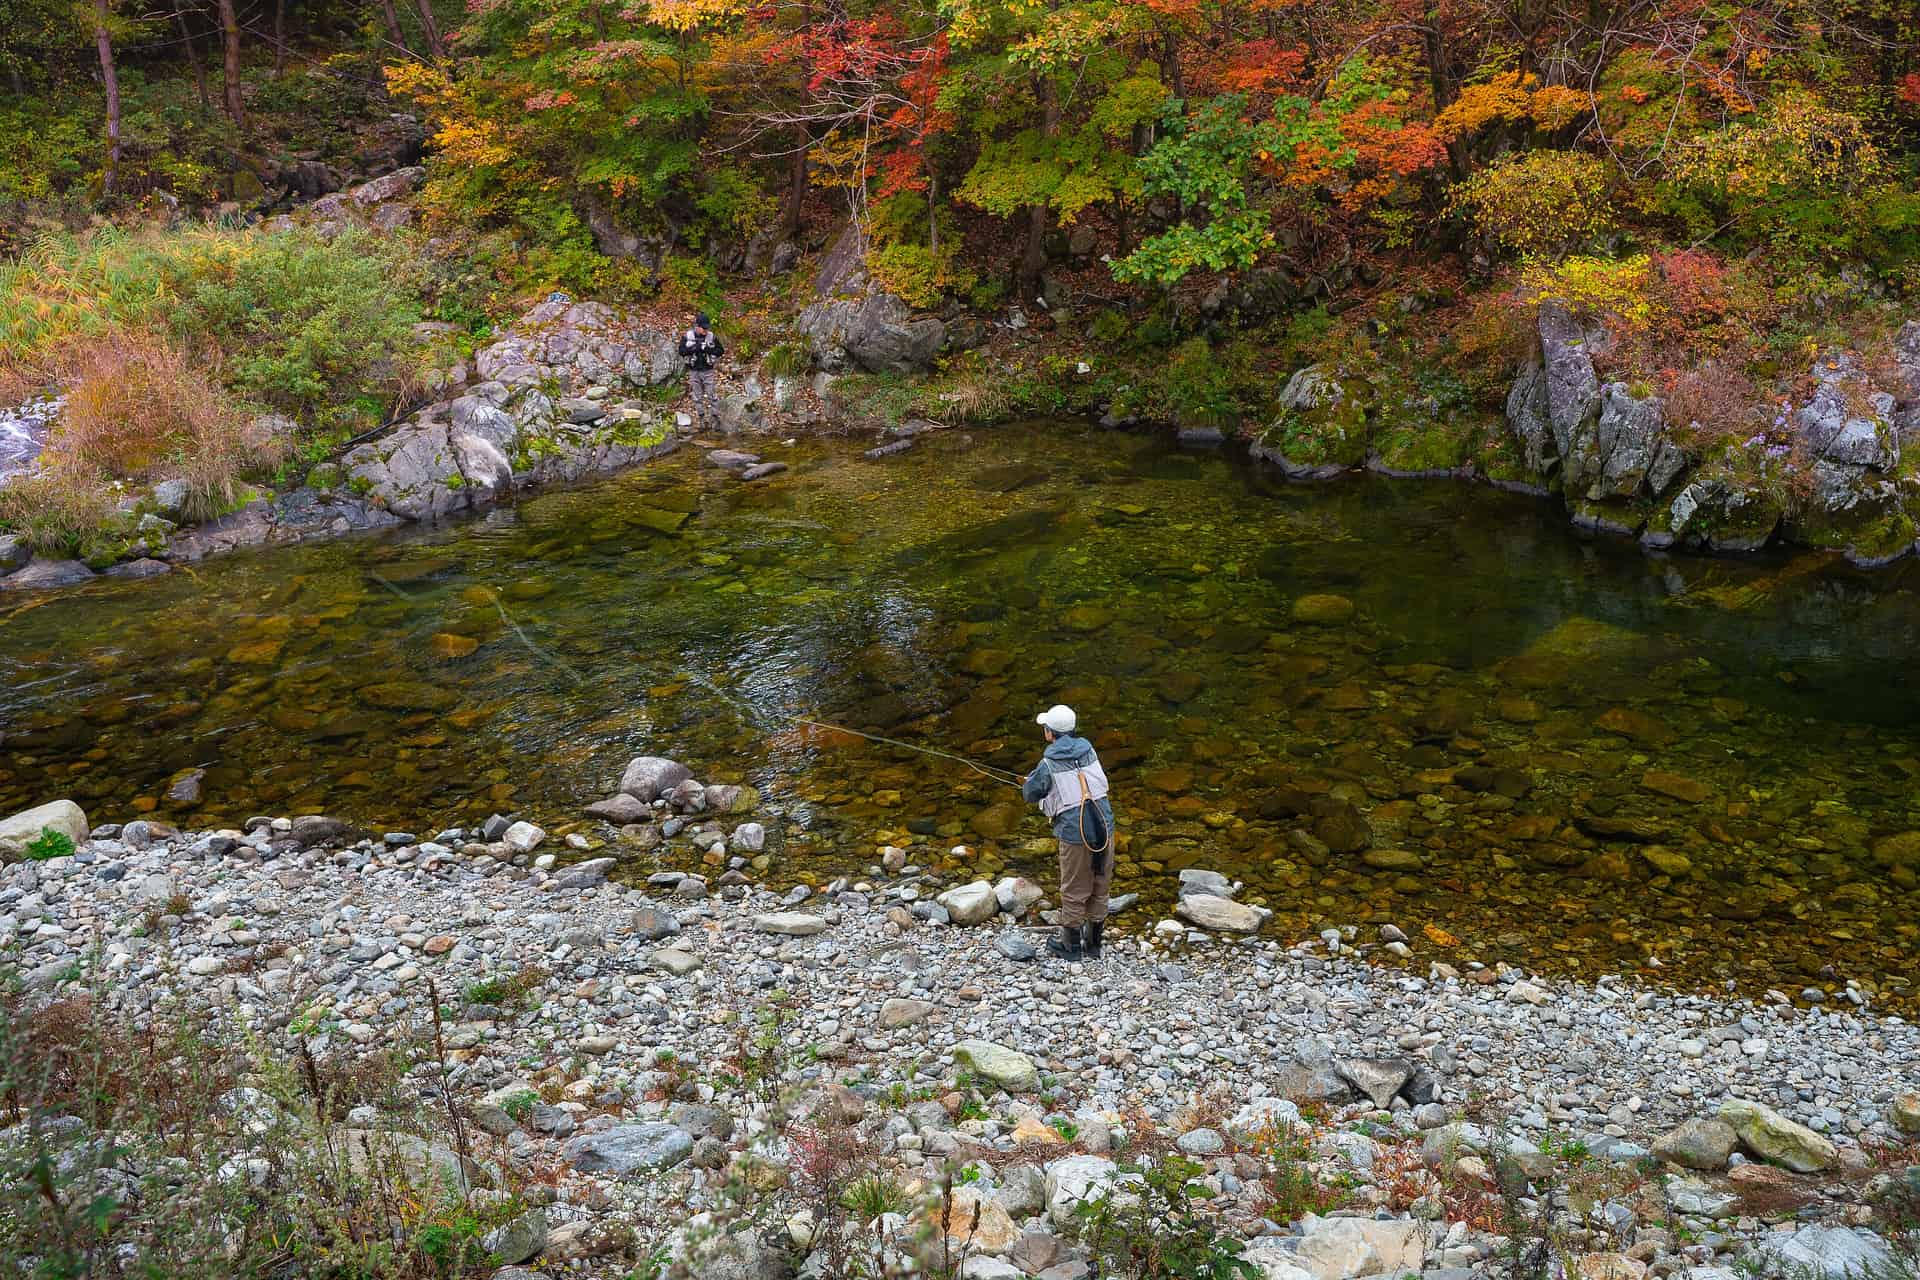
[1522,744]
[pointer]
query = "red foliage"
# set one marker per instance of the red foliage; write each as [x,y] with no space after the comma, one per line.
[1256,68]
[1910,89]
[1692,283]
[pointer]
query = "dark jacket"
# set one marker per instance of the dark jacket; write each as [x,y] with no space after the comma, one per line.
[1068,753]
[700,350]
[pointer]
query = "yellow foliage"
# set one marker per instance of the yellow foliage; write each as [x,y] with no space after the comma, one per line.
[1616,288]
[472,144]
[685,15]
[1555,106]
[1505,97]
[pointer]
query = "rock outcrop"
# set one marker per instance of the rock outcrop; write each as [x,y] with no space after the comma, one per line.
[547,408]
[876,332]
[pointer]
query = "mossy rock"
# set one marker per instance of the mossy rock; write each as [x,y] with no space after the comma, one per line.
[1412,447]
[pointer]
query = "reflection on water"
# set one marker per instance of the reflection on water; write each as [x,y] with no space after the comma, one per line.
[1374,701]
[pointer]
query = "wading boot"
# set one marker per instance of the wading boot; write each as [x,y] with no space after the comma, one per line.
[1067,944]
[1090,937]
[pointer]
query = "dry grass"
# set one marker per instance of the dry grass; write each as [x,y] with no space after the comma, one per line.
[1715,403]
[138,408]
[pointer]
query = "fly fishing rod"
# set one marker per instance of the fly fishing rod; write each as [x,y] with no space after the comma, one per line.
[991,772]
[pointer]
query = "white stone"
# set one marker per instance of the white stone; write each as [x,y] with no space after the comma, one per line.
[22,829]
[1340,1248]
[1075,1179]
[523,837]
[970,903]
[1220,914]
[793,924]
[1274,1261]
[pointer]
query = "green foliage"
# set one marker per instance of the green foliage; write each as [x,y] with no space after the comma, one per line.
[913,272]
[1204,161]
[1154,1229]
[293,321]
[49,844]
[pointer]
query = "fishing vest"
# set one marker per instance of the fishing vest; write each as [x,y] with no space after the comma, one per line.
[1064,792]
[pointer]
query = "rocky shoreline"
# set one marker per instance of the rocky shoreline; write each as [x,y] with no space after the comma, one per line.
[1647,1132]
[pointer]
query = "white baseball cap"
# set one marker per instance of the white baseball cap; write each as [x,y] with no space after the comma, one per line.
[1058,718]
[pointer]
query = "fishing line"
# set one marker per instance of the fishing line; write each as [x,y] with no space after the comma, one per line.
[494,596]
[991,772]
[988,771]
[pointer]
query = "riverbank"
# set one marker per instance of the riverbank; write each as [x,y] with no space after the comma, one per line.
[633,1054]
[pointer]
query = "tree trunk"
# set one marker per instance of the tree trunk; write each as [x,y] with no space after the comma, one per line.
[192,47]
[1170,65]
[1034,260]
[103,41]
[230,44]
[1440,77]
[279,38]
[394,33]
[431,26]
[790,212]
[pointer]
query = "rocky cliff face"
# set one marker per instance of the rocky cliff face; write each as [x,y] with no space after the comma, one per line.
[1839,470]
[555,400]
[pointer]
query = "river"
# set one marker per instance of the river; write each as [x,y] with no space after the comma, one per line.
[1521,745]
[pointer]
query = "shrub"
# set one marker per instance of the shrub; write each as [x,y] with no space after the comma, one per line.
[286,318]
[137,408]
[1714,403]
[916,274]
[1155,1230]
[55,509]
[1612,290]
[1541,202]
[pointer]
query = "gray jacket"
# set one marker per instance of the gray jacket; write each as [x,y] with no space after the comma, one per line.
[1065,753]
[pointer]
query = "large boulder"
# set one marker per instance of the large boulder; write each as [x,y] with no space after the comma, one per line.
[1625,450]
[1336,1248]
[1855,510]
[1321,428]
[1567,349]
[1825,1253]
[649,777]
[1078,1180]
[41,574]
[1705,1144]
[1847,419]
[1774,1138]
[630,1148]
[1720,514]
[877,332]
[22,829]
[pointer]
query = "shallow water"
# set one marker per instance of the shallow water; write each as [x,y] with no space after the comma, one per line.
[1563,753]
[23,430]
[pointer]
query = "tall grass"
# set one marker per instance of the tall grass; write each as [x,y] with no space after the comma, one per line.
[285,319]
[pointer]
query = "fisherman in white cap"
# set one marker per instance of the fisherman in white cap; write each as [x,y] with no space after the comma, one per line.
[1071,789]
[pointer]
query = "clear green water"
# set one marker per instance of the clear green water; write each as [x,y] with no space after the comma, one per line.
[947,595]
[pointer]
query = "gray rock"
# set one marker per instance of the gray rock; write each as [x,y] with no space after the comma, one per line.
[170,499]
[1379,1078]
[1015,946]
[649,777]
[518,1240]
[761,470]
[1220,914]
[1698,1144]
[792,924]
[1626,451]
[1827,1253]
[585,875]
[46,575]
[629,1149]
[14,552]
[654,923]
[1201,1142]
[1572,391]
[702,1121]
[620,809]
[877,332]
